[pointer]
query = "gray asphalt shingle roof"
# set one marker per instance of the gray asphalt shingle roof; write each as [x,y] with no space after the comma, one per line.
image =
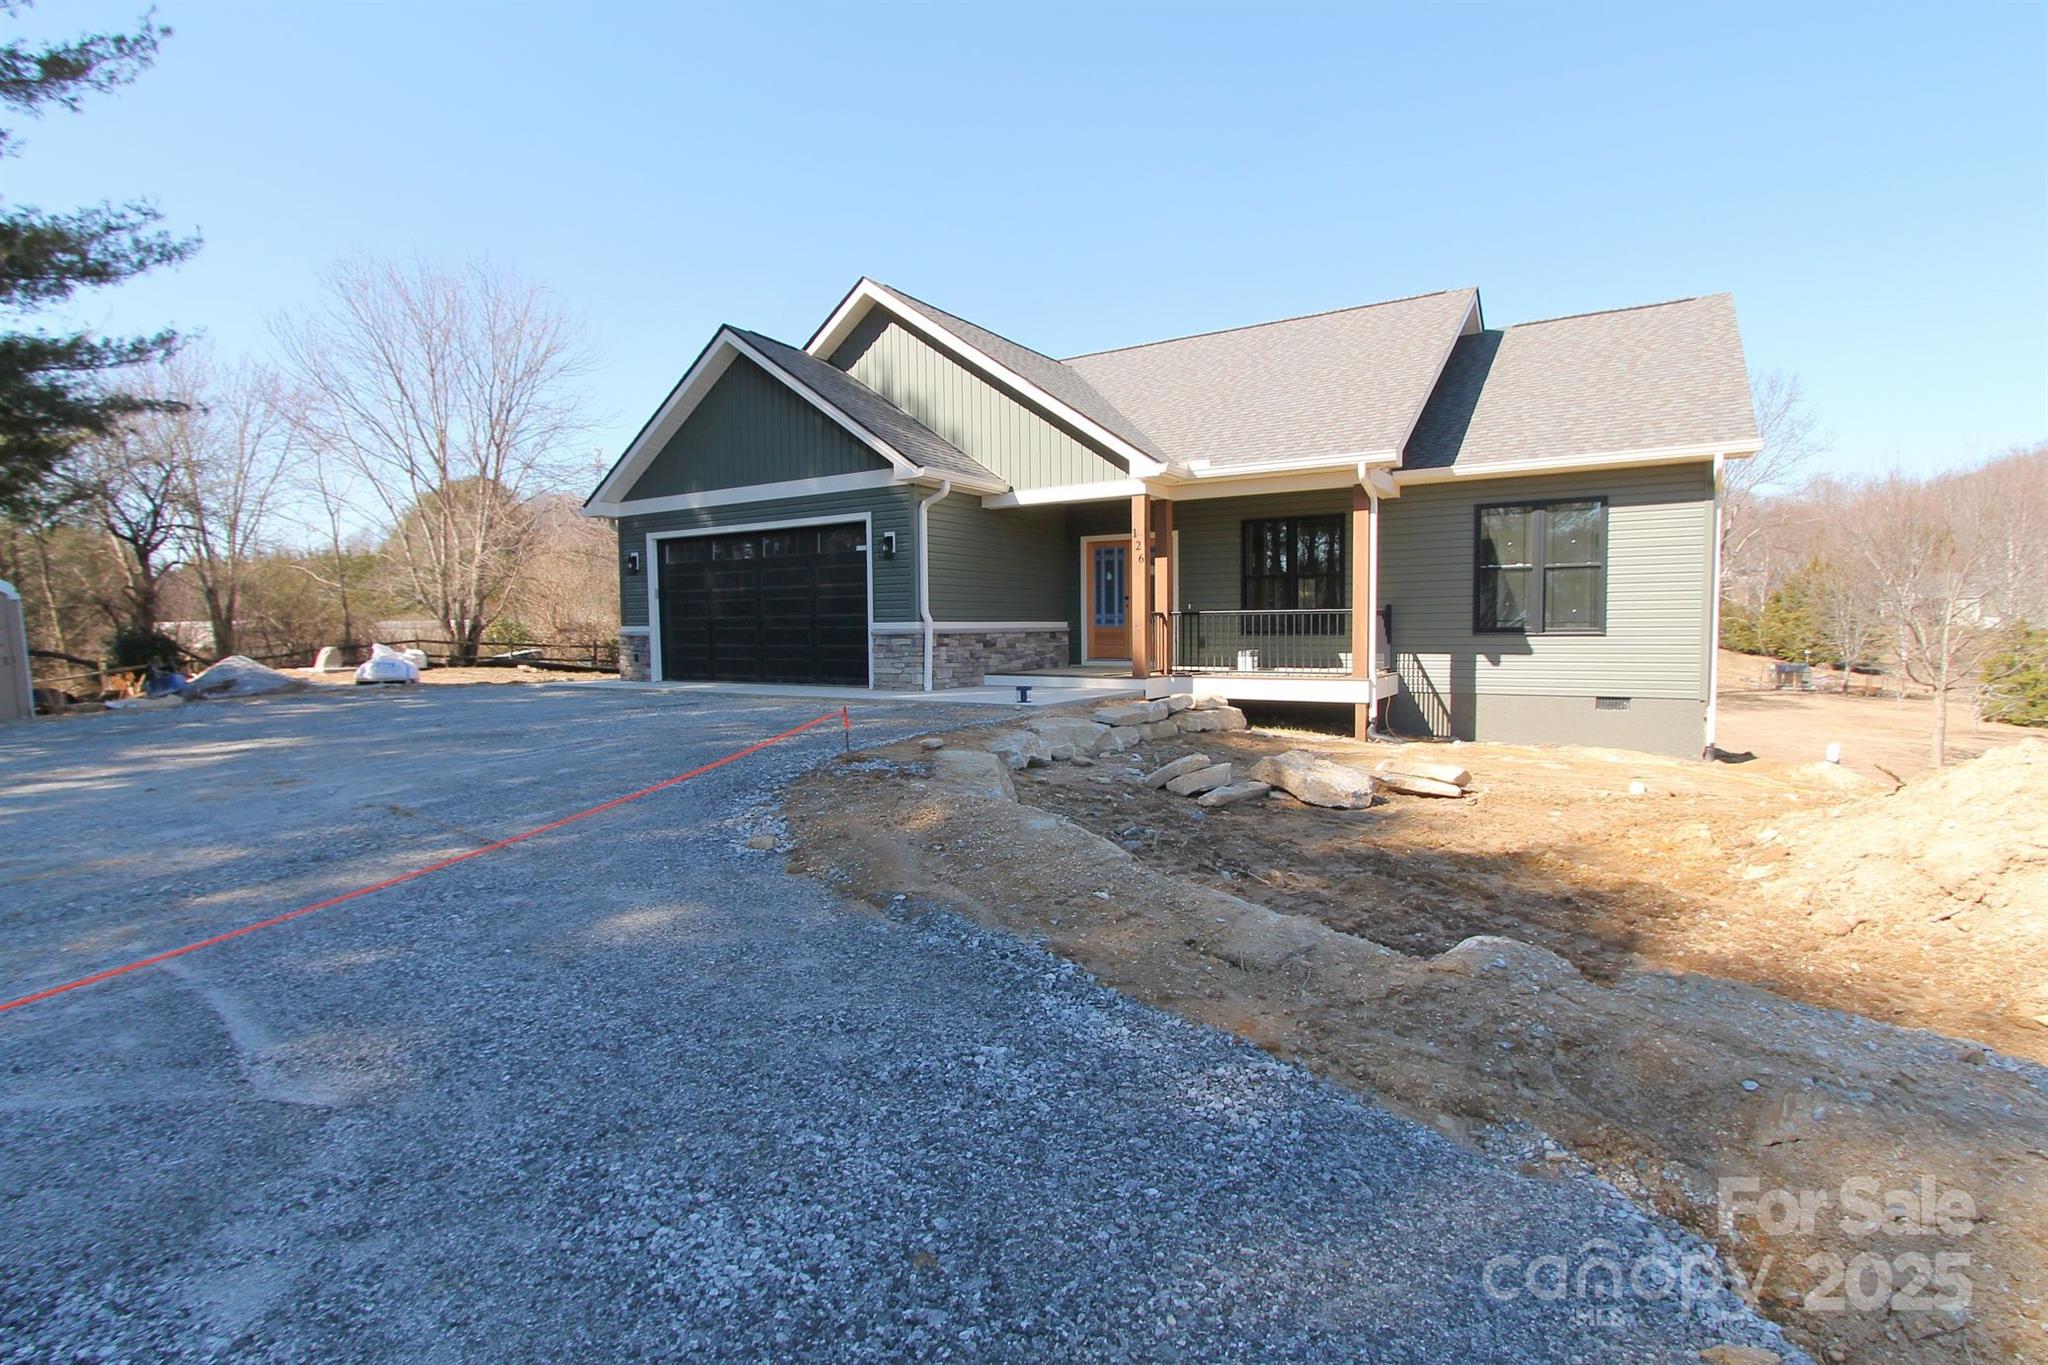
[1061,381]
[898,429]
[1665,375]
[1348,382]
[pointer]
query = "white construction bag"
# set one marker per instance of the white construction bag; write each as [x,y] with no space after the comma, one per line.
[387,665]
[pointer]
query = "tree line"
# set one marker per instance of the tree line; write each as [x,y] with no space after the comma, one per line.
[1936,582]
[397,463]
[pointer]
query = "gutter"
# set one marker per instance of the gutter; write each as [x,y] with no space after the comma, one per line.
[924,573]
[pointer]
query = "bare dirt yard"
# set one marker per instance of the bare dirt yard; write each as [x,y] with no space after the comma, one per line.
[1679,973]
[1882,737]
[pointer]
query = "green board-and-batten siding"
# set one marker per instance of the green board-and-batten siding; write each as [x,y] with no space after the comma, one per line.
[890,508]
[752,429]
[990,425]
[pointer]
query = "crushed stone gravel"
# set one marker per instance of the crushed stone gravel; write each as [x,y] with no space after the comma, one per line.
[629,1090]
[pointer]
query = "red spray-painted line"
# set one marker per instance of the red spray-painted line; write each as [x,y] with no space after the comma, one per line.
[840,715]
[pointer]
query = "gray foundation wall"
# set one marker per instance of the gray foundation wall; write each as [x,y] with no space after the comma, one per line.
[1652,724]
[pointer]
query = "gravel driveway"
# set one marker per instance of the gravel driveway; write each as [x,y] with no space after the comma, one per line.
[627,1089]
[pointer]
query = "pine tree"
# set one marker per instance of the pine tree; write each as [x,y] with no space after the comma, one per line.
[55,388]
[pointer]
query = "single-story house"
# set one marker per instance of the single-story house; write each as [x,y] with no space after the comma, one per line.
[1492,533]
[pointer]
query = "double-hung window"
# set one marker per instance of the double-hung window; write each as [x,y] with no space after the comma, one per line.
[1542,568]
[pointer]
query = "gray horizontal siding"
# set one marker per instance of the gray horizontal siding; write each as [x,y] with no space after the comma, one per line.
[752,429]
[990,425]
[1659,571]
[1000,565]
[895,579]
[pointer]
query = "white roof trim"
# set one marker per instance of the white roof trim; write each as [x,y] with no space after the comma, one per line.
[1102,490]
[752,492]
[684,398]
[1566,464]
[868,293]
[1204,469]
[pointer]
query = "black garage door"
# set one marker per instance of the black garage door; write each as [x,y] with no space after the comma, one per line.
[766,606]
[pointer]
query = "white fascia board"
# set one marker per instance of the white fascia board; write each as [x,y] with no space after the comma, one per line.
[1256,485]
[868,293]
[1208,469]
[685,397]
[756,492]
[1567,464]
[1103,490]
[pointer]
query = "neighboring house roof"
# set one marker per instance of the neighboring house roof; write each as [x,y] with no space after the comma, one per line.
[909,437]
[1662,377]
[1349,383]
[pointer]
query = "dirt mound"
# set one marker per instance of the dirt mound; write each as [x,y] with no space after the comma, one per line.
[1953,864]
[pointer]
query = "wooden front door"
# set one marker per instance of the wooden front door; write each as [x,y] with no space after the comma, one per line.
[1106,631]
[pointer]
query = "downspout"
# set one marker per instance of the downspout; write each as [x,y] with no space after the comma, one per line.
[1714,621]
[924,573]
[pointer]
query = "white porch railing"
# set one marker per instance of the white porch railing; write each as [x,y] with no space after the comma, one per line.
[1310,642]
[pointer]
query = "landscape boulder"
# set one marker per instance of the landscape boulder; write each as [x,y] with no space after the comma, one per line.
[1435,772]
[1132,713]
[973,774]
[1200,719]
[1410,785]
[1316,780]
[1201,780]
[1180,767]
[1231,793]
[1086,736]
[1021,749]
[1179,701]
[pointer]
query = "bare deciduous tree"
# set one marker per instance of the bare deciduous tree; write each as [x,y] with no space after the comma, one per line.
[126,485]
[1758,513]
[447,397]
[1934,554]
[229,449]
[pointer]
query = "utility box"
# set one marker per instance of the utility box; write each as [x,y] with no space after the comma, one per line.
[16,703]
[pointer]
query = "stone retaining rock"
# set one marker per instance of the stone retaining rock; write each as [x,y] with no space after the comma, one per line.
[1021,749]
[1132,713]
[1434,772]
[1201,719]
[1414,786]
[1232,793]
[1316,780]
[973,774]
[1195,783]
[1086,736]
[1180,767]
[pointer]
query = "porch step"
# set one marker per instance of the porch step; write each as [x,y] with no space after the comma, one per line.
[1067,682]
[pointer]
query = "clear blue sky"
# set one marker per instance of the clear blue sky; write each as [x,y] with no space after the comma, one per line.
[1870,182]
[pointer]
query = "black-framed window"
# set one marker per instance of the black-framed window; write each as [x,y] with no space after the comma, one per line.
[1541,568]
[1293,564]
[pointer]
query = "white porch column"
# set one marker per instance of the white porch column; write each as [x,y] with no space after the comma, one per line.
[1365,598]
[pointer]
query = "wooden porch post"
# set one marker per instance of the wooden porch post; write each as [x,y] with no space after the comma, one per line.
[1162,578]
[1139,576]
[1365,555]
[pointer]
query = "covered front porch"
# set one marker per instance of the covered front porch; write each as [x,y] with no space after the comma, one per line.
[1269,596]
